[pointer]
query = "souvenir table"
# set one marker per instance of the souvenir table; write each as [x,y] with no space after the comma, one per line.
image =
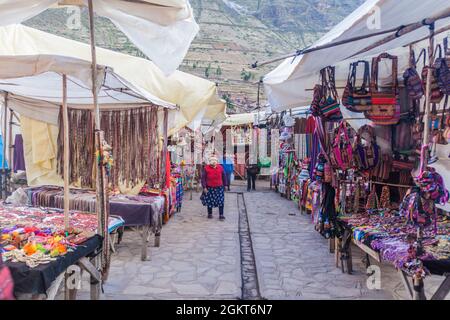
[141,211]
[387,238]
[39,251]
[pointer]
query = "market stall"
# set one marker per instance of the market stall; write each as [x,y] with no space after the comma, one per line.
[47,249]
[380,107]
[25,80]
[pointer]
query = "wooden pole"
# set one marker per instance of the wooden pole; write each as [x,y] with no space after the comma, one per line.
[401,30]
[102,206]
[405,30]
[10,140]
[164,148]
[66,153]
[5,115]
[94,65]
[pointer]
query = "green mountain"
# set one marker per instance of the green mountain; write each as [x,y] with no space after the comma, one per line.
[234,33]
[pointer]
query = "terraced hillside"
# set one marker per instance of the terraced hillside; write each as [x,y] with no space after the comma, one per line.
[234,33]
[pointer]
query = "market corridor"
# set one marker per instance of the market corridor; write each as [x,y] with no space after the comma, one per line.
[201,258]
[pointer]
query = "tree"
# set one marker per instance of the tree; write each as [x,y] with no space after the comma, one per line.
[219,71]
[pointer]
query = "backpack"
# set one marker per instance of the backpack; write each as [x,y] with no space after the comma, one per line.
[357,99]
[385,108]
[442,70]
[413,81]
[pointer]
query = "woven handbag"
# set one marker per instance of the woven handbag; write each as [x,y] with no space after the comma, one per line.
[385,108]
[436,93]
[366,156]
[412,79]
[357,99]
[442,70]
[329,105]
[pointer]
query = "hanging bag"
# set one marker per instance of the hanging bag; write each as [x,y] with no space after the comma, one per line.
[385,105]
[366,156]
[329,104]
[436,93]
[413,81]
[442,70]
[342,148]
[358,99]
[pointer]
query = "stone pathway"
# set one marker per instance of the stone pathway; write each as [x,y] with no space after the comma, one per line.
[294,262]
[198,259]
[201,259]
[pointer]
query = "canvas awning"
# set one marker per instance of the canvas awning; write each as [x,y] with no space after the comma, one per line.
[34,86]
[162,29]
[290,84]
[196,97]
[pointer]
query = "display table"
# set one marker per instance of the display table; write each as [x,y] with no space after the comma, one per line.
[45,279]
[143,213]
[43,229]
[385,239]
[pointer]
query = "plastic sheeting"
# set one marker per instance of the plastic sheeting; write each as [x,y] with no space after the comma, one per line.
[289,85]
[162,29]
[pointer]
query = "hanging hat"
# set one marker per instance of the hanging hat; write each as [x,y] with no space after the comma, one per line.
[288,121]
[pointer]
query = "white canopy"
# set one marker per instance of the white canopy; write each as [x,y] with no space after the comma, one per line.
[162,29]
[290,84]
[34,86]
[196,97]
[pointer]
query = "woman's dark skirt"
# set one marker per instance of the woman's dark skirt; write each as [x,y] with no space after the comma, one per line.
[214,197]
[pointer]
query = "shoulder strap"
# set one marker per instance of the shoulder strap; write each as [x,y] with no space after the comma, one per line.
[443,112]
[375,70]
[423,53]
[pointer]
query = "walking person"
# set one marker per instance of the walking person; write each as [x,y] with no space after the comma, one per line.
[228,166]
[252,172]
[214,181]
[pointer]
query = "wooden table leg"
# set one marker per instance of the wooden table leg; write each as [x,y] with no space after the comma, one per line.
[419,289]
[406,283]
[95,277]
[145,233]
[332,244]
[337,251]
[158,238]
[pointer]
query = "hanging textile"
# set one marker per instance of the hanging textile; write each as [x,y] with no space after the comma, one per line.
[133,136]
[19,158]
[1,154]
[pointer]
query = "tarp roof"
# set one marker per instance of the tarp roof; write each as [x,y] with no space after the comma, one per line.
[162,29]
[34,86]
[290,83]
[196,97]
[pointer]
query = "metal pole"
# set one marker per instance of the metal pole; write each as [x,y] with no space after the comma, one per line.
[66,153]
[426,134]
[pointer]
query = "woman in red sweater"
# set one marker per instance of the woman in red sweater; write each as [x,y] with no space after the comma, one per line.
[214,181]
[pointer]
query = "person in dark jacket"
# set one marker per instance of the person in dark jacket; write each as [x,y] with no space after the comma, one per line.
[252,172]
[214,181]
